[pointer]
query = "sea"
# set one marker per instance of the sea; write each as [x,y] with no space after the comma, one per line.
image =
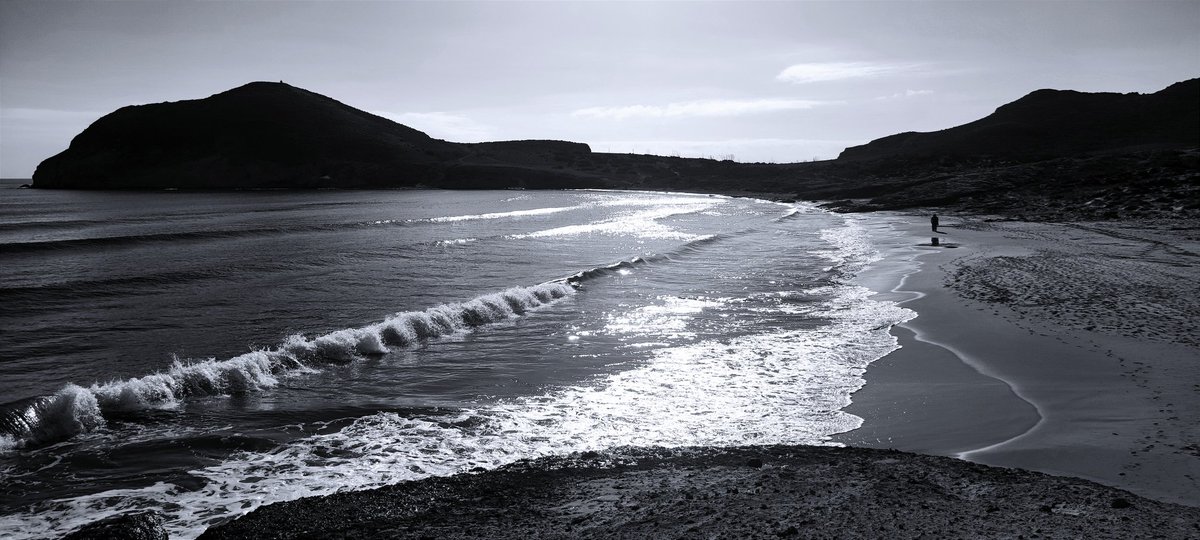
[203,354]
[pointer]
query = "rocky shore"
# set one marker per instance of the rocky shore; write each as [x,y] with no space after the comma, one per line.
[751,492]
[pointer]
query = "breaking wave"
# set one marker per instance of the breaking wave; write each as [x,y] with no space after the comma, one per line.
[75,409]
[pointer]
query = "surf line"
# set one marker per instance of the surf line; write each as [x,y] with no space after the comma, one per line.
[75,409]
[968,360]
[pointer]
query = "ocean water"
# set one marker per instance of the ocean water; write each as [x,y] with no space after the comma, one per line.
[202,354]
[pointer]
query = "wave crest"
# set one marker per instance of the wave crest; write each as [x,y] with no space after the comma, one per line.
[75,409]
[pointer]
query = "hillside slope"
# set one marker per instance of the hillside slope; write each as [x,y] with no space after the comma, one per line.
[263,135]
[1054,123]
[271,135]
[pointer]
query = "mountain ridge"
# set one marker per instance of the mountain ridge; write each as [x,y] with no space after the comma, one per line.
[1051,123]
[1030,157]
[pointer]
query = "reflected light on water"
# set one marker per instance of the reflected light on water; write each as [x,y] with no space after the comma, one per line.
[666,320]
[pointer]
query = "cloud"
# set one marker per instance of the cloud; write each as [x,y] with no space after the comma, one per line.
[905,94]
[442,125]
[710,107]
[836,71]
[744,150]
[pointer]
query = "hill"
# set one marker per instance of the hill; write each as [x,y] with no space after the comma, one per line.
[272,135]
[1047,124]
[1053,154]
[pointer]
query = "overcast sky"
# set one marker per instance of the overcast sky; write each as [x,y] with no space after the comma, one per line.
[782,81]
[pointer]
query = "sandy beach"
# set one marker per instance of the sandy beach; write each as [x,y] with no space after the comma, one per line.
[1063,348]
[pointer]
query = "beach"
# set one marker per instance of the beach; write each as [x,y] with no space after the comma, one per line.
[1000,374]
[1063,348]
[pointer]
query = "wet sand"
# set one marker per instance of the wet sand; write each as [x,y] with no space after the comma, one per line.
[1057,348]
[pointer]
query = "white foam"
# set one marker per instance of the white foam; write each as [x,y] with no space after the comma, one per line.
[499,215]
[656,199]
[641,224]
[852,248]
[791,212]
[9,444]
[456,241]
[246,373]
[71,410]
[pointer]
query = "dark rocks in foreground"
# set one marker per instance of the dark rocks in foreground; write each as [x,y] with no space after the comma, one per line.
[132,526]
[752,492]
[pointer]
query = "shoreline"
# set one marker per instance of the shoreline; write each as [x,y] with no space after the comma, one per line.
[982,381]
[927,396]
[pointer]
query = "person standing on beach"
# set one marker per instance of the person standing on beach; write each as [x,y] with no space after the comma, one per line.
[934,221]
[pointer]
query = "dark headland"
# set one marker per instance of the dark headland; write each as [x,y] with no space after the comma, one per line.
[1053,154]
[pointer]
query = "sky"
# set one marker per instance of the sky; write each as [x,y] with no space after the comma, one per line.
[774,82]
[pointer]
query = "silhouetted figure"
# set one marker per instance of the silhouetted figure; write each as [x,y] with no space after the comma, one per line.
[934,221]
